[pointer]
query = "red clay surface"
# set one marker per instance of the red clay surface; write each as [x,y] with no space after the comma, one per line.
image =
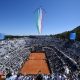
[37,56]
[36,64]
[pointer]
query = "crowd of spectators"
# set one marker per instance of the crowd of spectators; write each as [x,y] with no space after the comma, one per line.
[13,53]
[54,76]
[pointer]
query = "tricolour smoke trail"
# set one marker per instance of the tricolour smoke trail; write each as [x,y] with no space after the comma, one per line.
[40,16]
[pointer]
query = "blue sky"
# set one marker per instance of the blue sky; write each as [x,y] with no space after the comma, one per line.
[18,16]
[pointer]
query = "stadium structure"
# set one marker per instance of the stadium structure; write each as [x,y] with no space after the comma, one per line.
[39,58]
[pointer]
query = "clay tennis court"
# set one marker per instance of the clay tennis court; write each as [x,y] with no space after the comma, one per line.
[36,64]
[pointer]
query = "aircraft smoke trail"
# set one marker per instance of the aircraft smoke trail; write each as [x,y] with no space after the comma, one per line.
[40,16]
